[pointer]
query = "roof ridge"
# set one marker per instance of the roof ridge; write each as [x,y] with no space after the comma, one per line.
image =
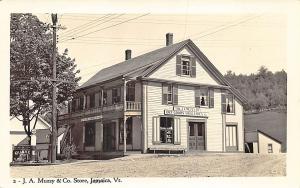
[132,64]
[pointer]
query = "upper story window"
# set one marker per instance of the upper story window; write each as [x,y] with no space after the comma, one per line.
[104,97]
[227,101]
[204,97]
[81,102]
[185,65]
[130,92]
[169,94]
[92,100]
[116,95]
[74,105]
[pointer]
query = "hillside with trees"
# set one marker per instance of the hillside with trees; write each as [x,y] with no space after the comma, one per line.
[264,89]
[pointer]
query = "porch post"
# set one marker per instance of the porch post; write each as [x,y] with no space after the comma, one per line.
[124,119]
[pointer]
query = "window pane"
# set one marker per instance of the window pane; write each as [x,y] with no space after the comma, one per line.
[192,132]
[200,130]
[166,130]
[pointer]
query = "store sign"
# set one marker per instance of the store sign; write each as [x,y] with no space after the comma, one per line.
[22,153]
[186,111]
[91,118]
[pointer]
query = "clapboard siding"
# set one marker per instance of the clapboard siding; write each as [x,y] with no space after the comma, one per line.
[214,124]
[263,142]
[185,98]
[238,118]
[168,71]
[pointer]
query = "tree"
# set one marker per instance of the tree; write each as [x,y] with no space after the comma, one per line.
[30,60]
[263,89]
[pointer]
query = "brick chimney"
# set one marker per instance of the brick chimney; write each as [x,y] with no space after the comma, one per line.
[169,39]
[127,54]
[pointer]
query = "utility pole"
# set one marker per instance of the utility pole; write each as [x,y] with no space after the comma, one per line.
[54,105]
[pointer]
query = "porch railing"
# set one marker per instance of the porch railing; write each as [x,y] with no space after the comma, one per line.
[130,106]
[133,106]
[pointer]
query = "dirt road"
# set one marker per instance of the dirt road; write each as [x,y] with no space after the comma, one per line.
[149,165]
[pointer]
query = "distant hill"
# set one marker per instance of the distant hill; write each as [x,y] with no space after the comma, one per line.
[263,90]
[273,123]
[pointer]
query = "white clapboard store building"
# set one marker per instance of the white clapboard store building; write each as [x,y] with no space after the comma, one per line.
[170,99]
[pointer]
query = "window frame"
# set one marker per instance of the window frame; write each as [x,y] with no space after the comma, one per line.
[270,148]
[81,102]
[116,99]
[89,140]
[171,92]
[163,130]
[227,104]
[92,97]
[130,92]
[198,94]
[188,67]
[105,98]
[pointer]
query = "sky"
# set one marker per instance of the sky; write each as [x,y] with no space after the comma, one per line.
[238,42]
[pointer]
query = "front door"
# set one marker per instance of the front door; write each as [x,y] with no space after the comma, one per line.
[196,136]
[109,137]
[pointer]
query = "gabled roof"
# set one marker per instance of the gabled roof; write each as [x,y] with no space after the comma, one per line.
[137,63]
[143,65]
[252,136]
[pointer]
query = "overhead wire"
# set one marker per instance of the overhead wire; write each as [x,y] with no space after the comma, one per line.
[137,17]
[90,27]
[80,27]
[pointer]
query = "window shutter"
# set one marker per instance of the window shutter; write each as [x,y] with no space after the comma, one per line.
[197,97]
[211,98]
[233,104]
[175,94]
[177,136]
[164,94]
[178,65]
[156,130]
[193,67]
[223,103]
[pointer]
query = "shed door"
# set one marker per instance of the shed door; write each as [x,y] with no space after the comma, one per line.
[231,138]
[196,136]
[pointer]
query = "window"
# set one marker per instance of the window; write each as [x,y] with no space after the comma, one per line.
[166,130]
[128,132]
[104,97]
[270,148]
[201,97]
[74,105]
[116,95]
[90,134]
[130,92]
[81,103]
[227,103]
[170,94]
[185,65]
[92,100]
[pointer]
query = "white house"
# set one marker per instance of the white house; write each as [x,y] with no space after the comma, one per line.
[40,137]
[170,99]
[259,142]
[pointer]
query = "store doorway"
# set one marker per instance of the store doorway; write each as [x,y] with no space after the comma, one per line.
[109,136]
[197,136]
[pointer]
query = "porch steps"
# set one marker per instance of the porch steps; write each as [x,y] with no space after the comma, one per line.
[96,155]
